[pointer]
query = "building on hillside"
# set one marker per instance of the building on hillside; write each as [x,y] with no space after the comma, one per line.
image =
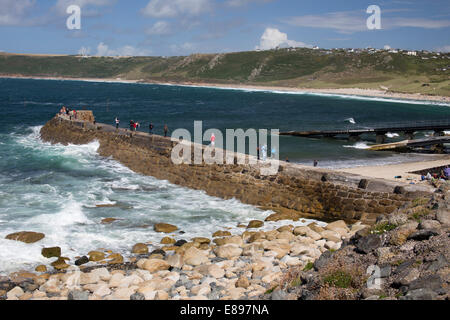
[411,53]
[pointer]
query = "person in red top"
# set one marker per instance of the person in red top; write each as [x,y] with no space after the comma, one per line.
[135,126]
[213,140]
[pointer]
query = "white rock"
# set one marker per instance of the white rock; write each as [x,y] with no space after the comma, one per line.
[291,261]
[102,290]
[116,279]
[228,251]
[102,273]
[331,235]
[195,257]
[88,278]
[16,292]
[332,245]
[123,293]
[175,260]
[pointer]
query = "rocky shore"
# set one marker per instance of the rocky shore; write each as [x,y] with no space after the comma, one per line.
[408,251]
[225,266]
[404,256]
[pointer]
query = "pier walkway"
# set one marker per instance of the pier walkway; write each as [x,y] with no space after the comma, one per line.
[354,132]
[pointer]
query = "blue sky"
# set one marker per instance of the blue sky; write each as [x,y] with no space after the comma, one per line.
[180,27]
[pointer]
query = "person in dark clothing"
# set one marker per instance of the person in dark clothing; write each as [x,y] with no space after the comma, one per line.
[287,160]
[150,128]
[257,152]
[166,130]
[131,125]
[316,163]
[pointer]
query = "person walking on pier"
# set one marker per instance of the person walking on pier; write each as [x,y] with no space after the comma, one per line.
[264,152]
[117,123]
[166,130]
[150,128]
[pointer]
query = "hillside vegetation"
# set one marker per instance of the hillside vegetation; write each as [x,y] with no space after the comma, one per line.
[298,68]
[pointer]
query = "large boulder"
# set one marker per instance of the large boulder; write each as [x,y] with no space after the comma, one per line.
[51,252]
[443,216]
[154,265]
[140,248]
[26,236]
[306,231]
[194,257]
[255,224]
[96,256]
[369,243]
[228,251]
[165,227]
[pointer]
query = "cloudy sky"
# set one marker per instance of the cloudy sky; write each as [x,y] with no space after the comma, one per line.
[180,27]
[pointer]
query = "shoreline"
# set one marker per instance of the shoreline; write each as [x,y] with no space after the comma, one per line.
[357,93]
[404,170]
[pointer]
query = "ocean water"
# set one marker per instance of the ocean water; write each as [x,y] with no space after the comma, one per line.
[56,189]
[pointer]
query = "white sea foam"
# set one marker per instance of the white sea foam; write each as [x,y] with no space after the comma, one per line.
[351,120]
[392,135]
[358,145]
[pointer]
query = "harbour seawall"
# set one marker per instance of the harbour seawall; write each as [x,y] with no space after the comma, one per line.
[294,192]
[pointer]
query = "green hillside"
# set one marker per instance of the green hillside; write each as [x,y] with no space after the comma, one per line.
[426,73]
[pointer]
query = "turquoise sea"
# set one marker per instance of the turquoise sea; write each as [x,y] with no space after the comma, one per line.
[56,189]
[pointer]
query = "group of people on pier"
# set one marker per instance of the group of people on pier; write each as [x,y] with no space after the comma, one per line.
[68,112]
[134,125]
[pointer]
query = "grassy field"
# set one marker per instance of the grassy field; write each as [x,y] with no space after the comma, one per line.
[299,68]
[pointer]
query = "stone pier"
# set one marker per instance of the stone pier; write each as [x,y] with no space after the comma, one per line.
[294,192]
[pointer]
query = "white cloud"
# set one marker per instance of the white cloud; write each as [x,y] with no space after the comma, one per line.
[387,47]
[13,12]
[174,8]
[104,50]
[273,38]
[241,3]
[159,28]
[344,22]
[355,21]
[419,23]
[62,5]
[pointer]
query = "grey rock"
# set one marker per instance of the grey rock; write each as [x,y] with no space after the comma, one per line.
[443,216]
[422,235]
[419,294]
[429,224]
[385,271]
[78,295]
[81,261]
[432,282]
[279,295]
[369,243]
[214,295]
[323,260]
[179,243]
[137,296]
[439,263]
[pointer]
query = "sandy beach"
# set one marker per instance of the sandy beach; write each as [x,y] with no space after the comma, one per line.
[389,172]
[351,92]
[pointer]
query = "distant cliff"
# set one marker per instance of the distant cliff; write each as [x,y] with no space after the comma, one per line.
[426,73]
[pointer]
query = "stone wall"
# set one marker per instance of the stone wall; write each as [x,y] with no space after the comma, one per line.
[295,192]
